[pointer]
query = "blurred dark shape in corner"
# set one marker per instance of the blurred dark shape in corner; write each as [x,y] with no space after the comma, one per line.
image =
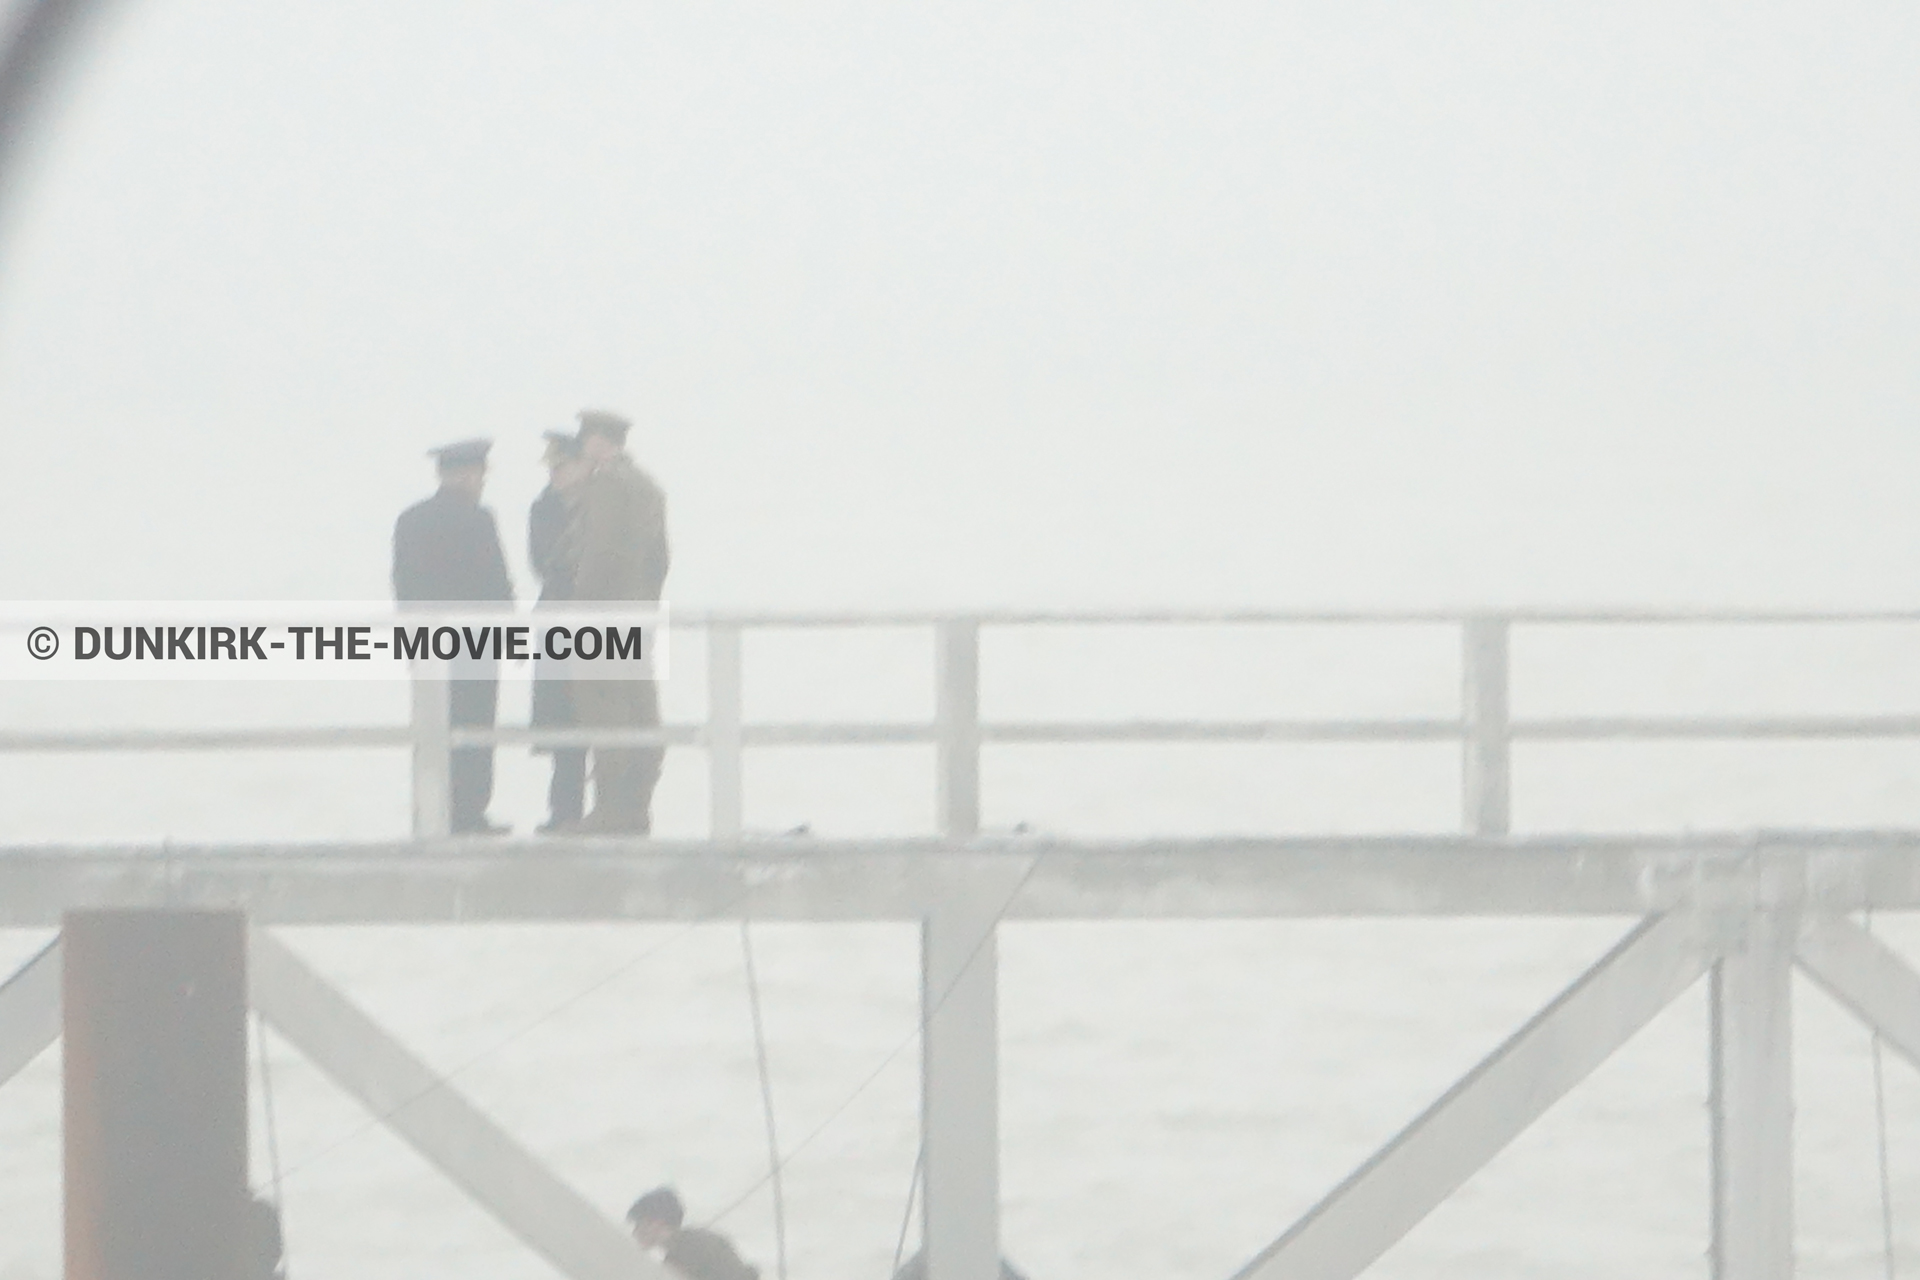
[40,38]
[262,1248]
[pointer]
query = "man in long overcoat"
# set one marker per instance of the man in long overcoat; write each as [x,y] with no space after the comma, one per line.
[553,549]
[623,557]
[447,548]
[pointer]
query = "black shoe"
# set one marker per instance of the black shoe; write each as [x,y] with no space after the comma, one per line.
[482,826]
[554,826]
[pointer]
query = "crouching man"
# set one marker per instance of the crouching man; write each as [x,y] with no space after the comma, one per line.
[658,1222]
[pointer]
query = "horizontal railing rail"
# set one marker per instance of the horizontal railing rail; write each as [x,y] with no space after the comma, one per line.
[700,619]
[299,739]
[1483,725]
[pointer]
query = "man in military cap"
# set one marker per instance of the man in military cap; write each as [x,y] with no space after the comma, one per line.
[447,548]
[624,557]
[553,549]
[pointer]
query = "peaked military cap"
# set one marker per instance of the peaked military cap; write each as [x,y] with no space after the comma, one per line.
[461,453]
[599,422]
[561,444]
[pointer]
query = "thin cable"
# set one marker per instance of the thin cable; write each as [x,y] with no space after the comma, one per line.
[926,1016]
[1880,1116]
[444,1079]
[273,1140]
[766,1100]
[906,1219]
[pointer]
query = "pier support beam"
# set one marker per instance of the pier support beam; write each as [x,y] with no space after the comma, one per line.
[1752,1108]
[30,1011]
[1866,976]
[1511,1088]
[434,1119]
[156,1094]
[960,1088]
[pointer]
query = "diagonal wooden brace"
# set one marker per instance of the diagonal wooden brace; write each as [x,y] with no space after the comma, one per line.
[435,1120]
[1511,1088]
[1866,976]
[29,1011]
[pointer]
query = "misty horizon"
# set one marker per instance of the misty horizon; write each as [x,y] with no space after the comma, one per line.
[1056,305]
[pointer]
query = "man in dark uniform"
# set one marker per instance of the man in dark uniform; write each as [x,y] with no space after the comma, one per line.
[657,1220]
[553,549]
[447,548]
[623,556]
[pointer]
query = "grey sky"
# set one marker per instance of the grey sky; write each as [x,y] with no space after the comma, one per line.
[1049,302]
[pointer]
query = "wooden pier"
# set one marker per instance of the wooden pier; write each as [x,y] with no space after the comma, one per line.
[1737,910]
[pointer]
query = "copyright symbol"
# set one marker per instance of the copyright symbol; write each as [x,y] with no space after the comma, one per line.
[43,642]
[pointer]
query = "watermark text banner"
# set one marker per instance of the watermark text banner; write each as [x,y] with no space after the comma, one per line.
[328,640]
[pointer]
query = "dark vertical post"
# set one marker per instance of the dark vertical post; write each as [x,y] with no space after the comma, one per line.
[156,1093]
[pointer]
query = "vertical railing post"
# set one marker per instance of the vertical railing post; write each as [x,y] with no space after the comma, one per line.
[957,713]
[1486,773]
[959,999]
[725,714]
[960,1087]
[1752,1086]
[432,752]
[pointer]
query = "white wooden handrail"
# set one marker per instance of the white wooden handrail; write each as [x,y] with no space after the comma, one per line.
[1483,726]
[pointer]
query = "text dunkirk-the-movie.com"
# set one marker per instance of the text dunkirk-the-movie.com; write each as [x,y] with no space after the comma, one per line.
[326,640]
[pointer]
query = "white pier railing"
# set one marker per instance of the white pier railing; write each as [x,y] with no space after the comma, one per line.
[1741,910]
[1483,724]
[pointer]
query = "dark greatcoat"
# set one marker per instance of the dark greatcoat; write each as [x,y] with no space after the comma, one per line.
[553,547]
[623,534]
[623,556]
[553,551]
[447,548]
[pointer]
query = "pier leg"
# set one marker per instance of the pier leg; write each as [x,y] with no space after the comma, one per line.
[960,1090]
[1752,1108]
[1511,1088]
[29,1011]
[1866,976]
[436,1120]
[156,1093]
